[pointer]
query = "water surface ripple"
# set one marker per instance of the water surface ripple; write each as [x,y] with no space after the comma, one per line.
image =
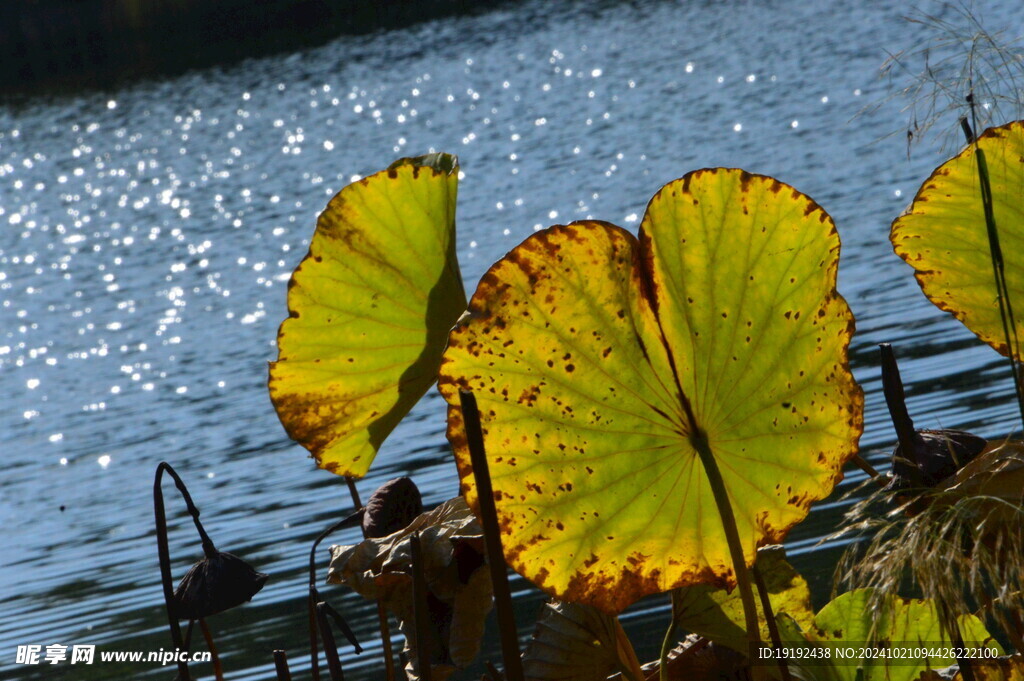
[147,235]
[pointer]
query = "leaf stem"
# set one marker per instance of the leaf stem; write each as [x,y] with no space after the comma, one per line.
[626,655]
[314,595]
[492,538]
[862,464]
[330,646]
[421,610]
[669,642]
[769,618]
[957,639]
[165,559]
[281,666]
[382,613]
[1013,349]
[218,671]
[732,537]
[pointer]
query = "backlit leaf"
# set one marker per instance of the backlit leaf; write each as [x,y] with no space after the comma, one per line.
[944,238]
[861,618]
[595,357]
[717,614]
[370,308]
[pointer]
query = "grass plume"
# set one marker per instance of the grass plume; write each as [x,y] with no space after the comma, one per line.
[961,545]
[956,55]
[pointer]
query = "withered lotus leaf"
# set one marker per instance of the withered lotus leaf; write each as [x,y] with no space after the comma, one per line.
[216,583]
[394,505]
[456,574]
[571,642]
[598,358]
[939,453]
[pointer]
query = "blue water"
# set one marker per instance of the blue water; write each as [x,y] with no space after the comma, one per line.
[147,235]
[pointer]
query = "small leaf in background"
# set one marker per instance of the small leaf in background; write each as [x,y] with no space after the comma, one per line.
[595,357]
[943,235]
[717,614]
[370,308]
[460,596]
[862,617]
[571,643]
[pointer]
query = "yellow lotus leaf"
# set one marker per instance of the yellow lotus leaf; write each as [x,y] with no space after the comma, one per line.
[603,363]
[370,308]
[717,614]
[943,235]
[904,635]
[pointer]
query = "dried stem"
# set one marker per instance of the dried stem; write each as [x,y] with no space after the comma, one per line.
[281,666]
[492,538]
[421,609]
[165,557]
[382,613]
[314,595]
[330,647]
[218,671]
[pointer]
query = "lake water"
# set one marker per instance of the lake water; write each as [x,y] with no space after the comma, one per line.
[147,235]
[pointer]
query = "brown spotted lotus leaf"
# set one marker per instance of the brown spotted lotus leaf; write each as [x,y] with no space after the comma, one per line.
[943,235]
[717,614]
[369,310]
[865,618]
[595,357]
[456,575]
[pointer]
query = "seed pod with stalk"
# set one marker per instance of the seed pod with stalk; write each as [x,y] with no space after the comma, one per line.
[216,583]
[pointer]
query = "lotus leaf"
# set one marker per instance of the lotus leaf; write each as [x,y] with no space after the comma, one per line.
[862,618]
[571,643]
[369,310]
[943,235]
[604,365]
[717,614]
